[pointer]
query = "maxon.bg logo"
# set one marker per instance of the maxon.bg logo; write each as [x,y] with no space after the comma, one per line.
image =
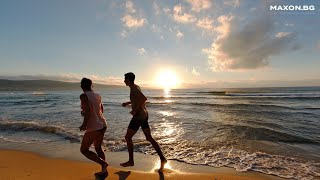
[292,7]
[296,7]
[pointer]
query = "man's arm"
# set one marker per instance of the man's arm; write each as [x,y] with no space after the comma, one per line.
[87,111]
[126,103]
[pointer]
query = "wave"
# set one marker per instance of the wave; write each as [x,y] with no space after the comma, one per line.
[23,126]
[28,102]
[273,97]
[38,93]
[175,97]
[213,92]
[265,134]
[262,94]
[234,106]
[242,96]
[197,153]
[243,161]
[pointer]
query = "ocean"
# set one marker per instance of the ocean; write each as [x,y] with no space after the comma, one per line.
[269,130]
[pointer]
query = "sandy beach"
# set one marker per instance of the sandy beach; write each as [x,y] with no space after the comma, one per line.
[26,165]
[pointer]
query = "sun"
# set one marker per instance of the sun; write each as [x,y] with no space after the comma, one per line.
[167,79]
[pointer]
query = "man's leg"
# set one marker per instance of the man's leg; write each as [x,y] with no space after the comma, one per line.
[128,137]
[155,145]
[88,139]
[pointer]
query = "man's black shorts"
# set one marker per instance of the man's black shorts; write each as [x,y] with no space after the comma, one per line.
[135,123]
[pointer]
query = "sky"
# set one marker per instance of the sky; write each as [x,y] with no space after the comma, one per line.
[166,43]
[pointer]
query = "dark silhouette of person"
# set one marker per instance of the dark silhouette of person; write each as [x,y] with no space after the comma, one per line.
[94,124]
[139,119]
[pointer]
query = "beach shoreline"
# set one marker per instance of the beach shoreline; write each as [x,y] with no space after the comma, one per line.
[64,161]
[239,132]
[17,164]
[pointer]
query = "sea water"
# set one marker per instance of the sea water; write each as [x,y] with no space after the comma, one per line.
[270,130]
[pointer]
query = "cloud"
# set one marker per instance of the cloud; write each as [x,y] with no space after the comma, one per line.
[232,3]
[166,11]
[69,77]
[199,5]
[252,83]
[179,34]
[318,45]
[289,24]
[142,51]
[283,34]
[225,25]
[124,34]
[63,77]
[156,8]
[206,24]
[106,80]
[253,9]
[155,28]
[195,72]
[247,48]
[133,22]
[181,17]
[129,7]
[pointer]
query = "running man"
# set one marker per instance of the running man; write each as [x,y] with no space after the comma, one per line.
[140,118]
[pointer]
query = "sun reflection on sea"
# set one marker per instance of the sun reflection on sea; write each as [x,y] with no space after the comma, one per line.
[168,131]
[166,113]
[168,101]
[167,166]
[167,96]
[166,93]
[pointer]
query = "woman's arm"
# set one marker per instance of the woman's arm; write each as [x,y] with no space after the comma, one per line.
[86,111]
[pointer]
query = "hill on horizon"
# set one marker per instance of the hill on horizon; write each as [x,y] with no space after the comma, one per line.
[40,85]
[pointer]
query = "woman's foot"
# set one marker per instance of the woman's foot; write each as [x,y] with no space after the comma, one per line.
[103,169]
[163,162]
[126,164]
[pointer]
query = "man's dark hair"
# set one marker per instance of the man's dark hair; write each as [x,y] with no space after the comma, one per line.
[130,76]
[86,83]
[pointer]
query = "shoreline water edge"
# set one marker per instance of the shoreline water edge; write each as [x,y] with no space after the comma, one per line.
[268,130]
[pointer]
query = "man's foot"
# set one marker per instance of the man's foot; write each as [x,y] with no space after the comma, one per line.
[126,164]
[103,169]
[163,162]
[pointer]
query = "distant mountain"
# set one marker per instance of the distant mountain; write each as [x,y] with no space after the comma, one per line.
[41,85]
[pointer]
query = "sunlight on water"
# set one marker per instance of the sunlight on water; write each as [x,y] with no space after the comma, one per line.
[168,101]
[167,166]
[38,93]
[166,93]
[270,131]
[168,128]
[168,131]
[166,113]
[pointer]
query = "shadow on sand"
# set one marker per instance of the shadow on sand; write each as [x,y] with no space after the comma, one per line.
[102,177]
[161,175]
[123,174]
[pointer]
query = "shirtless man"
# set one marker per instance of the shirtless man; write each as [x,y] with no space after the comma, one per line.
[140,118]
[94,124]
